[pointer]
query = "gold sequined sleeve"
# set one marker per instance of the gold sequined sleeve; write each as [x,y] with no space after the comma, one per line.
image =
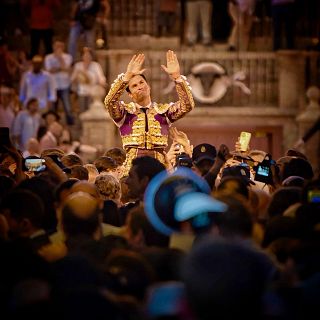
[112,101]
[185,104]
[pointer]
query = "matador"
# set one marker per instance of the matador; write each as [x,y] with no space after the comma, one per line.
[144,124]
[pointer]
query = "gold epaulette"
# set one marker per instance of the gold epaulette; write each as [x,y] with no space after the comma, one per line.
[161,108]
[131,107]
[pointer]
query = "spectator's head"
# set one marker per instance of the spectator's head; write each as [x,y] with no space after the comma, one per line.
[233,186]
[297,167]
[108,186]
[50,116]
[44,188]
[87,54]
[141,233]
[63,190]
[79,172]
[117,154]
[225,280]
[24,211]
[58,47]
[92,171]
[70,160]
[81,216]
[6,95]
[203,156]
[242,171]
[296,153]
[237,221]
[32,105]
[143,169]
[33,146]
[86,187]
[280,227]
[129,272]
[52,152]
[37,62]
[105,164]
[282,199]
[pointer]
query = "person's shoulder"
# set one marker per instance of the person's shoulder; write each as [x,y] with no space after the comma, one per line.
[130,107]
[161,107]
[48,57]
[67,56]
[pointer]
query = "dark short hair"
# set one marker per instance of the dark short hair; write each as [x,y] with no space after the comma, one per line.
[104,163]
[117,154]
[25,204]
[30,101]
[142,75]
[147,166]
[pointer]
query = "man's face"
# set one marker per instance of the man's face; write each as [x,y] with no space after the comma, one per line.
[135,188]
[58,47]
[34,107]
[5,99]
[204,166]
[37,66]
[139,88]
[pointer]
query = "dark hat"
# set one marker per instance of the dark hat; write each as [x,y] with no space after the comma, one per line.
[204,151]
[241,171]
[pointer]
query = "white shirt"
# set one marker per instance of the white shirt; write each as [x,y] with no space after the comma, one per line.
[62,78]
[94,73]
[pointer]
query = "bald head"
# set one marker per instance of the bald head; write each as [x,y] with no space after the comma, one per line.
[87,187]
[80,214]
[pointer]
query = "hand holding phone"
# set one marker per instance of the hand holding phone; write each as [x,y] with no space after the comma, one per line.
[244,140]
[35,165]
[263,172]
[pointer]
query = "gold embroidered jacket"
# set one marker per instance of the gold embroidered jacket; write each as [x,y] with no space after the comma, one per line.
[146,130]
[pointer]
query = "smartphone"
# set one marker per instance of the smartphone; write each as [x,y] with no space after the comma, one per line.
[244,140]
[263,170]
[183,160]
[35,165]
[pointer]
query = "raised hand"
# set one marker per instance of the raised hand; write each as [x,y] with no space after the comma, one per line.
[179,137]
[173,67]
[134,66]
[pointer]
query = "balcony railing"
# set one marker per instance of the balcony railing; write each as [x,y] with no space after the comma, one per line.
[260,71]
[137,17]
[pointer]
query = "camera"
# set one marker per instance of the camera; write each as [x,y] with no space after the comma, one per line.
[35,164]
[263,170]
[183,160]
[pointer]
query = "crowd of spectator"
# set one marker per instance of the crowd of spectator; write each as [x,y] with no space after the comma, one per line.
[205,237]
[199,239]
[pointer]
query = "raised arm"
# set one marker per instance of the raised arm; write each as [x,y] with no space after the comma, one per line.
[185,104]
[112,101]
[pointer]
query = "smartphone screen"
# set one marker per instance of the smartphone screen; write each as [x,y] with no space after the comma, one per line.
[35,165]
[263,171]
[244,140]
